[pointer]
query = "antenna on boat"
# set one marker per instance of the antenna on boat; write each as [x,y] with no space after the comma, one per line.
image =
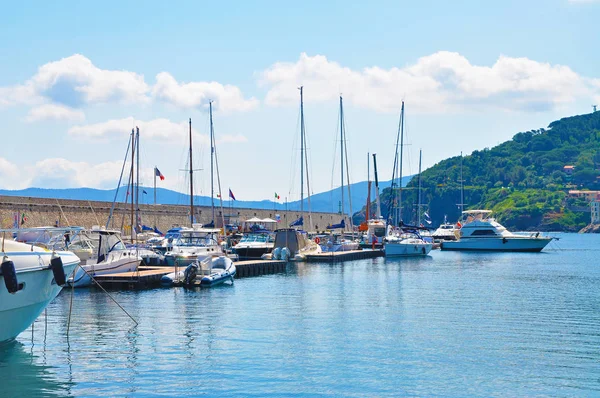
[594,106]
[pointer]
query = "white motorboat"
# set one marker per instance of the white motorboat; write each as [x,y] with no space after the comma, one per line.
[337,243]
[446,231]
[194,244]
[254,244]
[405,242]
[31,277]
[209,272]
[480,232]
[111,257]
[292,245]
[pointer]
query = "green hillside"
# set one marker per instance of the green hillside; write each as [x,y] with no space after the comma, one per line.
[522,180]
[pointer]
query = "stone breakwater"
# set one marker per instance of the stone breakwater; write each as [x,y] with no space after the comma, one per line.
[31,212]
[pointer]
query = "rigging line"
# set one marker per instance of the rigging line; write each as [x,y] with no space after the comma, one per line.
[214,144]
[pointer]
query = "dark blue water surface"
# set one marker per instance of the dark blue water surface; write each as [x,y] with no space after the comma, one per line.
[450,324]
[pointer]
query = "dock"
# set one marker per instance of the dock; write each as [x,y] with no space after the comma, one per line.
[148,277]
[343,256]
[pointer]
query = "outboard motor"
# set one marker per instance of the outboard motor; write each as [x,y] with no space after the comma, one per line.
[56,265]
[285,254]
[277,253]
[190,273]
[10,275]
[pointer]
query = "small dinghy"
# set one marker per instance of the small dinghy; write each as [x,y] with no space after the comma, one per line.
[207,273]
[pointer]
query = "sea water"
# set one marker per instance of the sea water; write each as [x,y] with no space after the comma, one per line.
[450,324]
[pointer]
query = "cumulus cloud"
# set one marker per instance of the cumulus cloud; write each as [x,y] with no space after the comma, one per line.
[443,81]
[227,98]
[54,112]
[76,82]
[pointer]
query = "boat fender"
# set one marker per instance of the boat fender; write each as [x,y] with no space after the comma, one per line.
[190,274]
[285,254]
[317,240]
[10,275]
[504,240]
[56,265]
[423,250]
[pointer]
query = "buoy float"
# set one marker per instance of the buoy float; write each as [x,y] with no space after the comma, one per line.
[56,265]
[10,275]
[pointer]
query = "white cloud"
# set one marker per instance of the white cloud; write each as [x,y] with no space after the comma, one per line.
[443,81]
[54,112]
[75,81]
[227,98]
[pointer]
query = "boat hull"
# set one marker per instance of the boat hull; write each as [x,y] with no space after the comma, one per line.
[123,264]
[251,253]
[497,244]
[401,249]
[18,311]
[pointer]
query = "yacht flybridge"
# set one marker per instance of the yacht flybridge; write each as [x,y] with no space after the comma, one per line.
[480,231]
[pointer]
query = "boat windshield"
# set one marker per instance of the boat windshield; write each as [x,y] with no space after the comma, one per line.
[194,240]
[256,238]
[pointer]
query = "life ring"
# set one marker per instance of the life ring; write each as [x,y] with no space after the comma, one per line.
[317,240]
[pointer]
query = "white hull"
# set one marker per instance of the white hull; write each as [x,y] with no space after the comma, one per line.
[18,311]
[115,263]
[505,244]
[406,248]
[340,247]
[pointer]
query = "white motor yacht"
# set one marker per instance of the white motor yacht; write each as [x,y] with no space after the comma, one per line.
[194,244]
[111,257]
[479,231]
[32,276]
[254,244]
[405,242]
[446,231]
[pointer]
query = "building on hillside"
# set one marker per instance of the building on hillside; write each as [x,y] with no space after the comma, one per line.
[588,195]
[569,170]
[595,210]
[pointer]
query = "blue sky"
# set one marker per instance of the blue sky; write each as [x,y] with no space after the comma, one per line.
[75,77]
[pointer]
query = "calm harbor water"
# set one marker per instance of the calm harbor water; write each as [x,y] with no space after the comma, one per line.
[451,324]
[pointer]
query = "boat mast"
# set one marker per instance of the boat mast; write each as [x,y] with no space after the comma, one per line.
[462,202]
[368,186]
[191,180]
[131,179]
[419,196]
[137,184]
[342,154]
[212,154]
[301,151]
[399,208]
[377,203]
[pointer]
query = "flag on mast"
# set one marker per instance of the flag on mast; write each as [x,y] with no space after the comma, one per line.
[277,196]
[157,173]
[231,194]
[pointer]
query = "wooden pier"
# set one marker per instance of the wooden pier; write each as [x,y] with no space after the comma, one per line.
[144,277]
[343,256]
[259,267]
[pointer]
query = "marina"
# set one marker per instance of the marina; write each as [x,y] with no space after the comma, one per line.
[521,323]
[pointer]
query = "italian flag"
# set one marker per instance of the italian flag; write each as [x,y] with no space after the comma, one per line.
[277,196]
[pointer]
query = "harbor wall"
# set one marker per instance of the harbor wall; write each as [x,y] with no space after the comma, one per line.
[48,212]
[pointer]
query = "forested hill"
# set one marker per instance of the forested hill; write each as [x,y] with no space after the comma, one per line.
[523,180]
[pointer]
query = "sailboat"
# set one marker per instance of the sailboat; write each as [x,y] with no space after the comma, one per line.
[375,226]
[292,243]
[339,242]
[403,240]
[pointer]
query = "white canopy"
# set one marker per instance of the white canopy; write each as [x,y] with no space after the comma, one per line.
[268,220]
[254,219]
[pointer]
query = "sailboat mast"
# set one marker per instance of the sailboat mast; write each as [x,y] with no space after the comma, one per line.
[419,196]
[377,203]
[462,190]
[368,186]
[399,208]
[131,179]
[301,151]
[191,180]
[342,154]
[137,184]
[212,154]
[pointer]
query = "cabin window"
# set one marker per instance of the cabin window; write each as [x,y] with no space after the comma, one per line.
[483,232]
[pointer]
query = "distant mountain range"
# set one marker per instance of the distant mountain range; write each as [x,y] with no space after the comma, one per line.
[322,202]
